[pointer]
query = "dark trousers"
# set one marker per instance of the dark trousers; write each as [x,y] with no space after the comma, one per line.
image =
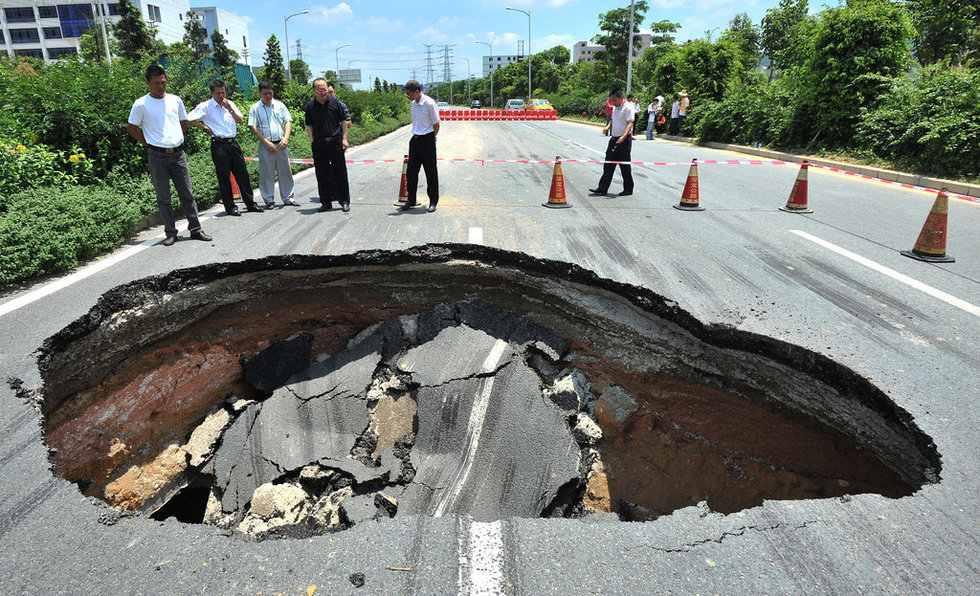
[617,152]
[228,159]
[675,125]
[165,167]
[330,164]
[422,154]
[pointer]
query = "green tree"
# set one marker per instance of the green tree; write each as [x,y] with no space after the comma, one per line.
[134,38]
[707,70]
[857,50]
[223,56]
[784,30]
[616,35]
[746,37]
[196,36]
[92,46]
[558,55]
[299,71]
[948,30]
[661,42]
[272,70]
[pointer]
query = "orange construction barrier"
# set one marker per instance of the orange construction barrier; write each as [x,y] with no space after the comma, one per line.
[689,198]
[798,196]
[556,197]
[931,245]
[236,193]
[403,187]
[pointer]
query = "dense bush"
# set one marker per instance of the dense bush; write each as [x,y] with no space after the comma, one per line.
[51,229]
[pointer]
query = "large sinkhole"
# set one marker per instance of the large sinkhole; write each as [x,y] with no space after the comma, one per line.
[298,395]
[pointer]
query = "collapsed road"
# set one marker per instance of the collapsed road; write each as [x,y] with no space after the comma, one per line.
[297,395]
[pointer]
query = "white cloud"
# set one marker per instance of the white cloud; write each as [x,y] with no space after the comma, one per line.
[341,12]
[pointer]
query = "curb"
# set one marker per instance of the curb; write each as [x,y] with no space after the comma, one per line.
[952,186]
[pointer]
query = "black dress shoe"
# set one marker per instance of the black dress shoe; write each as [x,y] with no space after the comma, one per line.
[408,206]
[345,207]
[233,211]
[596,191]
[431,209]
[325,207]
[200,235]
[253,208]
[169,241]
[626,193]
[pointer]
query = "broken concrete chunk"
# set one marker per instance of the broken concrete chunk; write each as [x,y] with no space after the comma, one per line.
[472,353]
[386,504]
[205,437]
[569,392]
[586,431]
[432,322]
[272,367]
[498,322]
[328,514]
[614,405]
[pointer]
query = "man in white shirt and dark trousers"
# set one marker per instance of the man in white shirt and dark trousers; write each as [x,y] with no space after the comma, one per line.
[422,147]
[220,118]
[271,122]
[158,121]
[620,145]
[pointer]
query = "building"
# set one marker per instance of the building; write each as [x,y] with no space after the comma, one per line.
[583,52]
[233,27]
[50,29]
[492,63]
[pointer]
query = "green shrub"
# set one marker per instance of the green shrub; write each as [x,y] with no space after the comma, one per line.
[53,228]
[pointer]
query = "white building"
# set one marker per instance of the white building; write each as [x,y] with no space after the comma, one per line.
[233,27]
[49,29]
[492,63]
[583,52]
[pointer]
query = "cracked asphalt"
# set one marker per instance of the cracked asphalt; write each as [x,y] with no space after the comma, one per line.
[741,263]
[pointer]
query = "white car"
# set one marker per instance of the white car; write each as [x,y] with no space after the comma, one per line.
[442,105]
[514,104]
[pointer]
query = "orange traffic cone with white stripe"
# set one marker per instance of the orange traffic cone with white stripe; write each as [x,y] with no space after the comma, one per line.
[556,197]
[236,193]
[690,197]
[798,196]
[403,188]
[931,245]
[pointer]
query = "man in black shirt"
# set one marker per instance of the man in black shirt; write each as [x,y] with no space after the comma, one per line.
[328,137]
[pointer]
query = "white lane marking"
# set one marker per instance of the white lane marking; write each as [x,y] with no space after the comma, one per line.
[476,235]
[474,428]
[914,283]
[486,556]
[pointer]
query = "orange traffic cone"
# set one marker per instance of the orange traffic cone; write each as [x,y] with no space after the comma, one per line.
[403,188]
[236,193]
[798,196]
[931,245]
[556,197]
[689,198]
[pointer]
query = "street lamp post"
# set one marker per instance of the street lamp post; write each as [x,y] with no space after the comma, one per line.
[491,69]
[285,26]
[336,55]
[469,96]
[528,13]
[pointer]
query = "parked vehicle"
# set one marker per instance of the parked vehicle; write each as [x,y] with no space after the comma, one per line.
[475,104]
[442,105]
[514,104]
[540,104]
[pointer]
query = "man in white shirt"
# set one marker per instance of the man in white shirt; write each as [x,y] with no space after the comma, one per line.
[422,147]
[272,123]
[158,122]
[652,110]
[219,117]
[620,129]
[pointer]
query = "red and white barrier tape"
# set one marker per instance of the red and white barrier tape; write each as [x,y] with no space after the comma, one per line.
[717,162]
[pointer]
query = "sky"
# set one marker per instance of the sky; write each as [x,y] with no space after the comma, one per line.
[388,38]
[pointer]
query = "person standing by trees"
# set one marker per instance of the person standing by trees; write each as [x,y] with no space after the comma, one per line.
[685,105]
[675,110]
[620,131]
[272,123]
[328,138]
[158,121]
[422,147]
[220,117]
[652,111]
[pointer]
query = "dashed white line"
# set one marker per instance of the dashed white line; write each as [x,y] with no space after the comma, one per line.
[486,558]
[476,235]
[911,282]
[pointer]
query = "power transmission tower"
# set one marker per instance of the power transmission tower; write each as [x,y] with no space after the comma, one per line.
[446,65]
[299,50]
[428,63]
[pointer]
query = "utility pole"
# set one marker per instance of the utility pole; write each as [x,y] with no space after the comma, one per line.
[629,53]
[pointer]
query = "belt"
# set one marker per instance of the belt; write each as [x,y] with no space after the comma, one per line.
[324,139]
[176,149]
[222,139]
[274,140]
[424,135]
